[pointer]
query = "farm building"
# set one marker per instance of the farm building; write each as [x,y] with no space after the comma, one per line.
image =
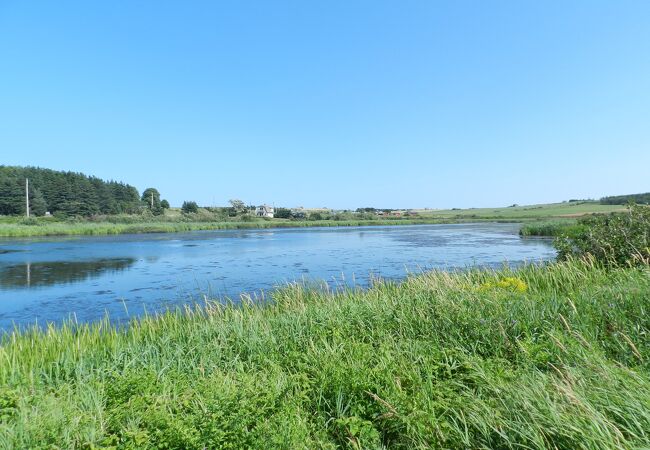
[265,211]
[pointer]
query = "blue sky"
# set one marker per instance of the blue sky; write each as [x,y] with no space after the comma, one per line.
[333,103]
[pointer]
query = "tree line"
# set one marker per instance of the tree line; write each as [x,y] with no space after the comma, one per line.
[641,199]
[71,194]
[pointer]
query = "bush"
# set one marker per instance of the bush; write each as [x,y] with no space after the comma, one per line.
[614,239]
[29,221]
[189,207]
[282,213]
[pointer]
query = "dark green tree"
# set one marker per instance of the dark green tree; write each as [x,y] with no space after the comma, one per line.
[237,207]
[164,204]
[282,213]
[189,207]
[37,203]
[64,193]
[12,196]
[641,199]
[151,199]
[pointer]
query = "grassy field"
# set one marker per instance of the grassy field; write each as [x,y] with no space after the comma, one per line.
[542,357]
[546,211]
[173,221]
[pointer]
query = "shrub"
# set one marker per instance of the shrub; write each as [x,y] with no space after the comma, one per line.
[614,239]
[282,213]
[29,221]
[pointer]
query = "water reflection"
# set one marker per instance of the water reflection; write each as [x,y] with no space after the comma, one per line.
[59,272]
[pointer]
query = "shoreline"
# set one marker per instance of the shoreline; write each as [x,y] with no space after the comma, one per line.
[9,231]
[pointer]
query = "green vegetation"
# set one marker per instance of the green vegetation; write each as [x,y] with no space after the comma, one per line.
[238,216]
[614,239]
[548,228]
[641,199]
[534,212]
[83,205]
[151,201]
[189,207]
[63,193]
[549,356]
[542,357]
[116,225]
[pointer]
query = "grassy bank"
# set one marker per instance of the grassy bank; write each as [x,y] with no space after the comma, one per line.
[107,228]
[543,357]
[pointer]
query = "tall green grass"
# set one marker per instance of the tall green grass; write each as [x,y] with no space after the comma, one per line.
[110,228]
[547,228]
[541,357]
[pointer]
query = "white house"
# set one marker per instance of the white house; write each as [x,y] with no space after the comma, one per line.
[265,211]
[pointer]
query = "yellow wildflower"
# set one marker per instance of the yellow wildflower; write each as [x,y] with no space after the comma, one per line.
[507,283]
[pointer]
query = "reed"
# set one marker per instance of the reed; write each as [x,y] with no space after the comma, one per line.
[547,228]
[554,356]
[86,228]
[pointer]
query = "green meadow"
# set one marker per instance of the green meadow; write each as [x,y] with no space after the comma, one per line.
[554,356]
[543,211]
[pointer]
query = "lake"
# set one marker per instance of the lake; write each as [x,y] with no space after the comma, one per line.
[51,279]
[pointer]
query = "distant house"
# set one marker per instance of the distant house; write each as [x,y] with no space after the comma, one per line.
[265,211]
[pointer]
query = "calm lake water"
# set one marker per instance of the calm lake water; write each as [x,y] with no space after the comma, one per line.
[47,280]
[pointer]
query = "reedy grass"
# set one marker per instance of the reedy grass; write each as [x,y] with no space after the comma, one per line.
[548,228]
[13,230]
[441,360]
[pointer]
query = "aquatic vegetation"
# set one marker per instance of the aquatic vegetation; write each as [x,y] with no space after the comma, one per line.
[432,362]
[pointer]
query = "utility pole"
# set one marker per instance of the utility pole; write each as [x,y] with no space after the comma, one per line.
[27,196]
[152,200]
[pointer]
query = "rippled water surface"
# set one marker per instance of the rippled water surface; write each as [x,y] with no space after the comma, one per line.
[50,279]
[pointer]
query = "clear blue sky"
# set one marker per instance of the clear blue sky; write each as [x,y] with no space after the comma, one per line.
[333,103]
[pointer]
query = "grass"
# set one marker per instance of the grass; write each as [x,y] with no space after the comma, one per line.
[553,356]
[543,211]
[108,228]
[549,227]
